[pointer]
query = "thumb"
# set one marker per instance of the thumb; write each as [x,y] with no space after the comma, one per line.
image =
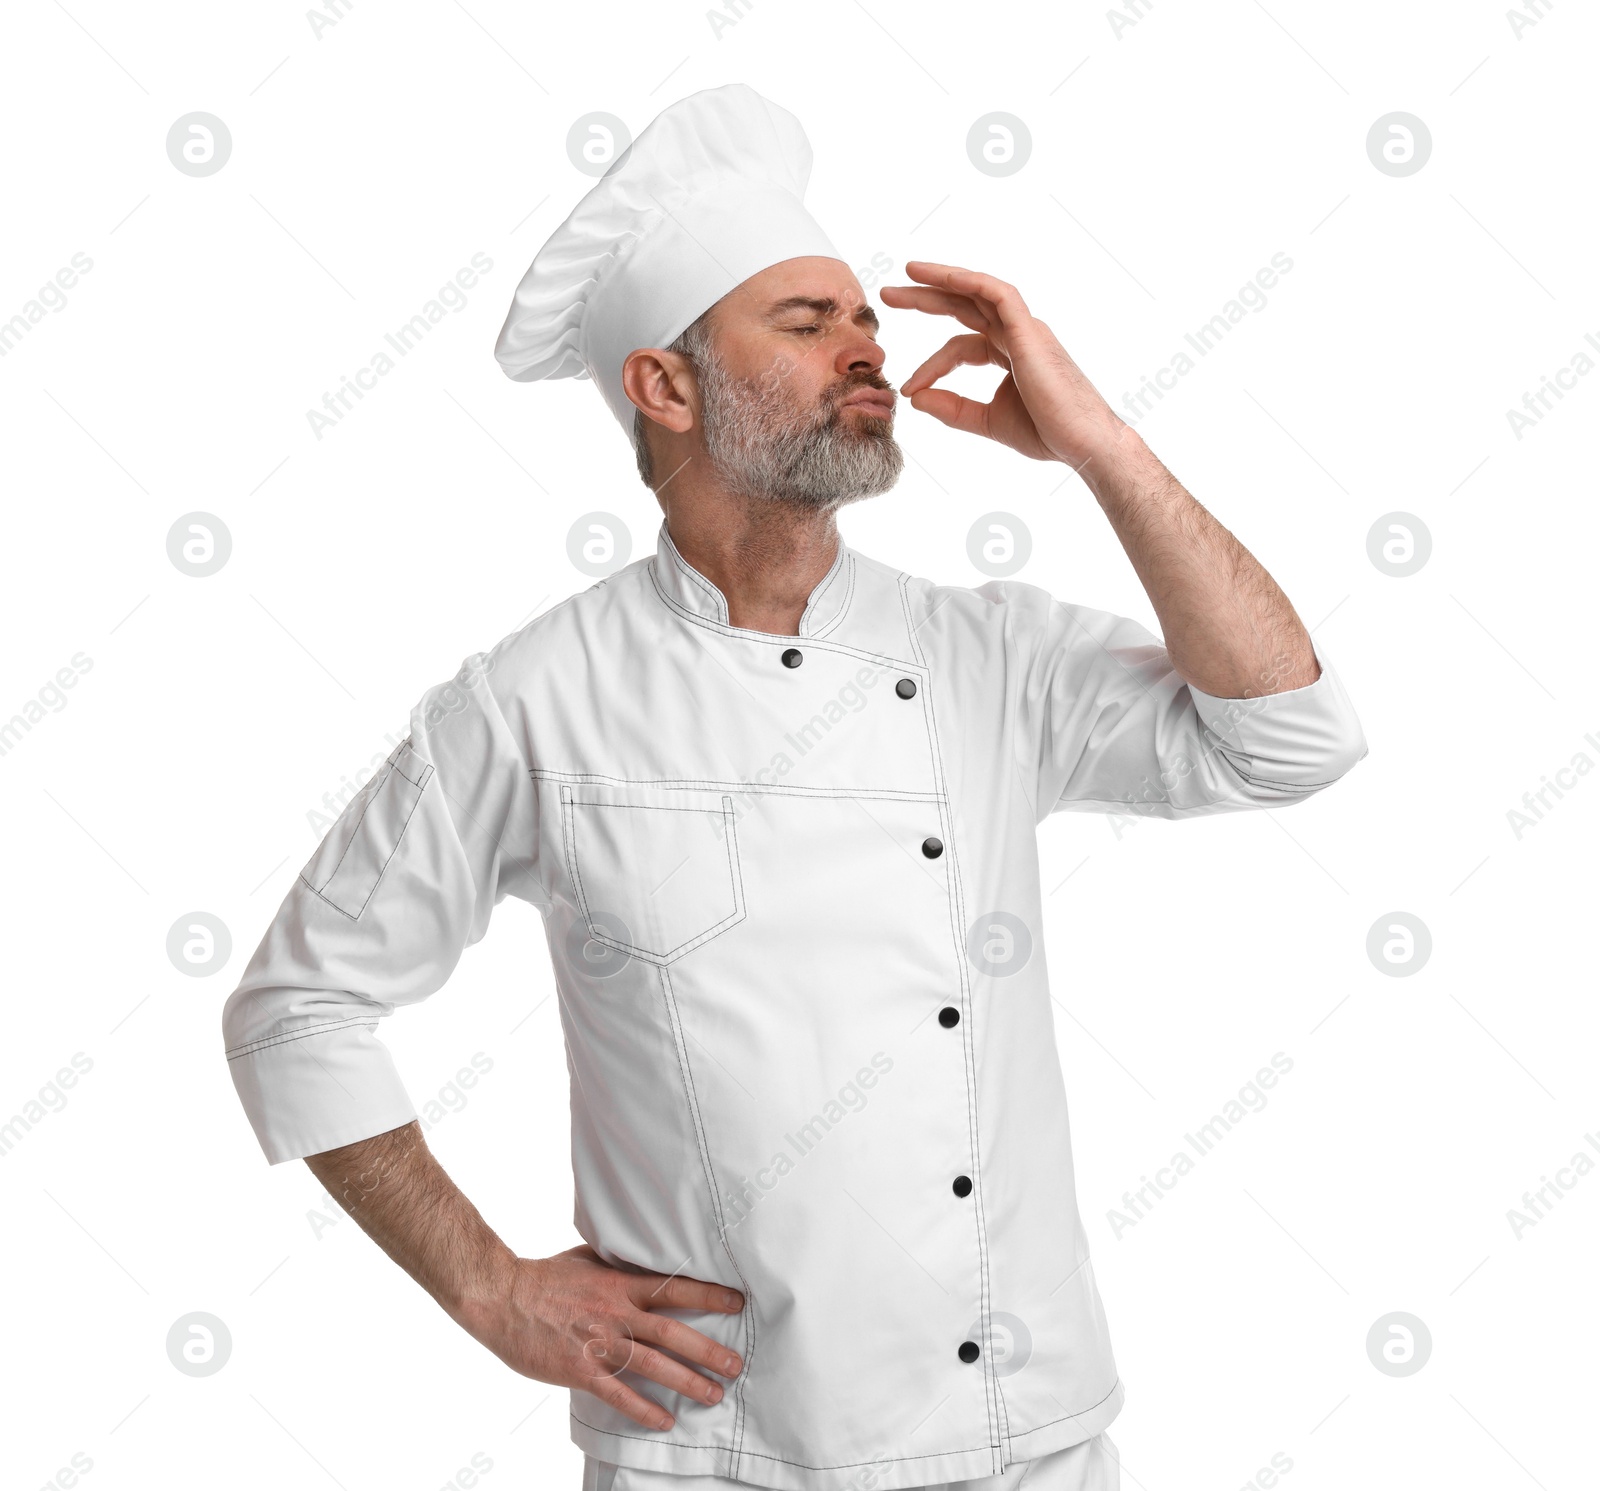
[950,409]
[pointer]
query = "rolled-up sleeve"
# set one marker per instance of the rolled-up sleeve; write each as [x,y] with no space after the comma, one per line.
[1108,725]
[403,882]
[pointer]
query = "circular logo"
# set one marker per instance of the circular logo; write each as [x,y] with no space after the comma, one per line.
[999,544]
[999,944]
[199,144]
[999,144]
[199,1345]
[198,944]
[607,1350]
[598,959]
[1399,544]
[1399,944]
[599,544]
[1399,1344]
[1008,1344]
[199,544]
[1399,144]
[597,142]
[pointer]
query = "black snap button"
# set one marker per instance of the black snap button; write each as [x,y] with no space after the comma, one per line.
[792,657]
[906,687]
[932,848]
[949,1017]
[962,1186]
[968,1351]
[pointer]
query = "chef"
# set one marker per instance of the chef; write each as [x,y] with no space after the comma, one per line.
[776,801]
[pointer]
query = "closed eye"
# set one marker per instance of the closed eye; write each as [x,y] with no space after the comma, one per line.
[813,328]
[824,305]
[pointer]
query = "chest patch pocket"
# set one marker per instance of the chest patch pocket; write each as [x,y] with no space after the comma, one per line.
[655,871]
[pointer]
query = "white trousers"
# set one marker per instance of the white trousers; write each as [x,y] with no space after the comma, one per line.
[1089,1466]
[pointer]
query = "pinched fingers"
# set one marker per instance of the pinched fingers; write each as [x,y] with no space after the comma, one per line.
[965,351]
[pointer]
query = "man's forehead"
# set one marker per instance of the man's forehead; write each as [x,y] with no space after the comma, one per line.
[810,284]
[822,305]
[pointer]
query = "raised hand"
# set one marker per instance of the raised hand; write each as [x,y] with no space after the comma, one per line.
[1045,408]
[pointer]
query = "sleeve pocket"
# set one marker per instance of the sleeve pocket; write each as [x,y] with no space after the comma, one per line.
[350,861]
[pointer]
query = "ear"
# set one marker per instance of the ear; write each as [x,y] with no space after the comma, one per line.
[661,384]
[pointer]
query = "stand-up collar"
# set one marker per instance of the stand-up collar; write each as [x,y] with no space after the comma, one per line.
[683,586]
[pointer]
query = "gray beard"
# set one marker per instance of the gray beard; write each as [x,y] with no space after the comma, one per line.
[763,447]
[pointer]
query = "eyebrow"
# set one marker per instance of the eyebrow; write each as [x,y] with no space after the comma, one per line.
[823,306]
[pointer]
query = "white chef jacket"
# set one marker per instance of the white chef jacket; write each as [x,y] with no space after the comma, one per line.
[790,886]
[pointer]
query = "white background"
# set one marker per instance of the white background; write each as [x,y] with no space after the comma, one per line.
[1169,162]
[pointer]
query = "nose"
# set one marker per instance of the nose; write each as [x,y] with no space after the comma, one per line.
[858,353]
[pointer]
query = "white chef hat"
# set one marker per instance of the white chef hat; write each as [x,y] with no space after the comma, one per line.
[709,194]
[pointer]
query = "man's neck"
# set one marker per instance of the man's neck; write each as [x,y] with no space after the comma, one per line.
[765,557]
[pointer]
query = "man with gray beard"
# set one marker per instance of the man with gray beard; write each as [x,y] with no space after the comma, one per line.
[756,897]
[767,448]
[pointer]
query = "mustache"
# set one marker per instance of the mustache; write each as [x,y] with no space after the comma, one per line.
[857,381]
